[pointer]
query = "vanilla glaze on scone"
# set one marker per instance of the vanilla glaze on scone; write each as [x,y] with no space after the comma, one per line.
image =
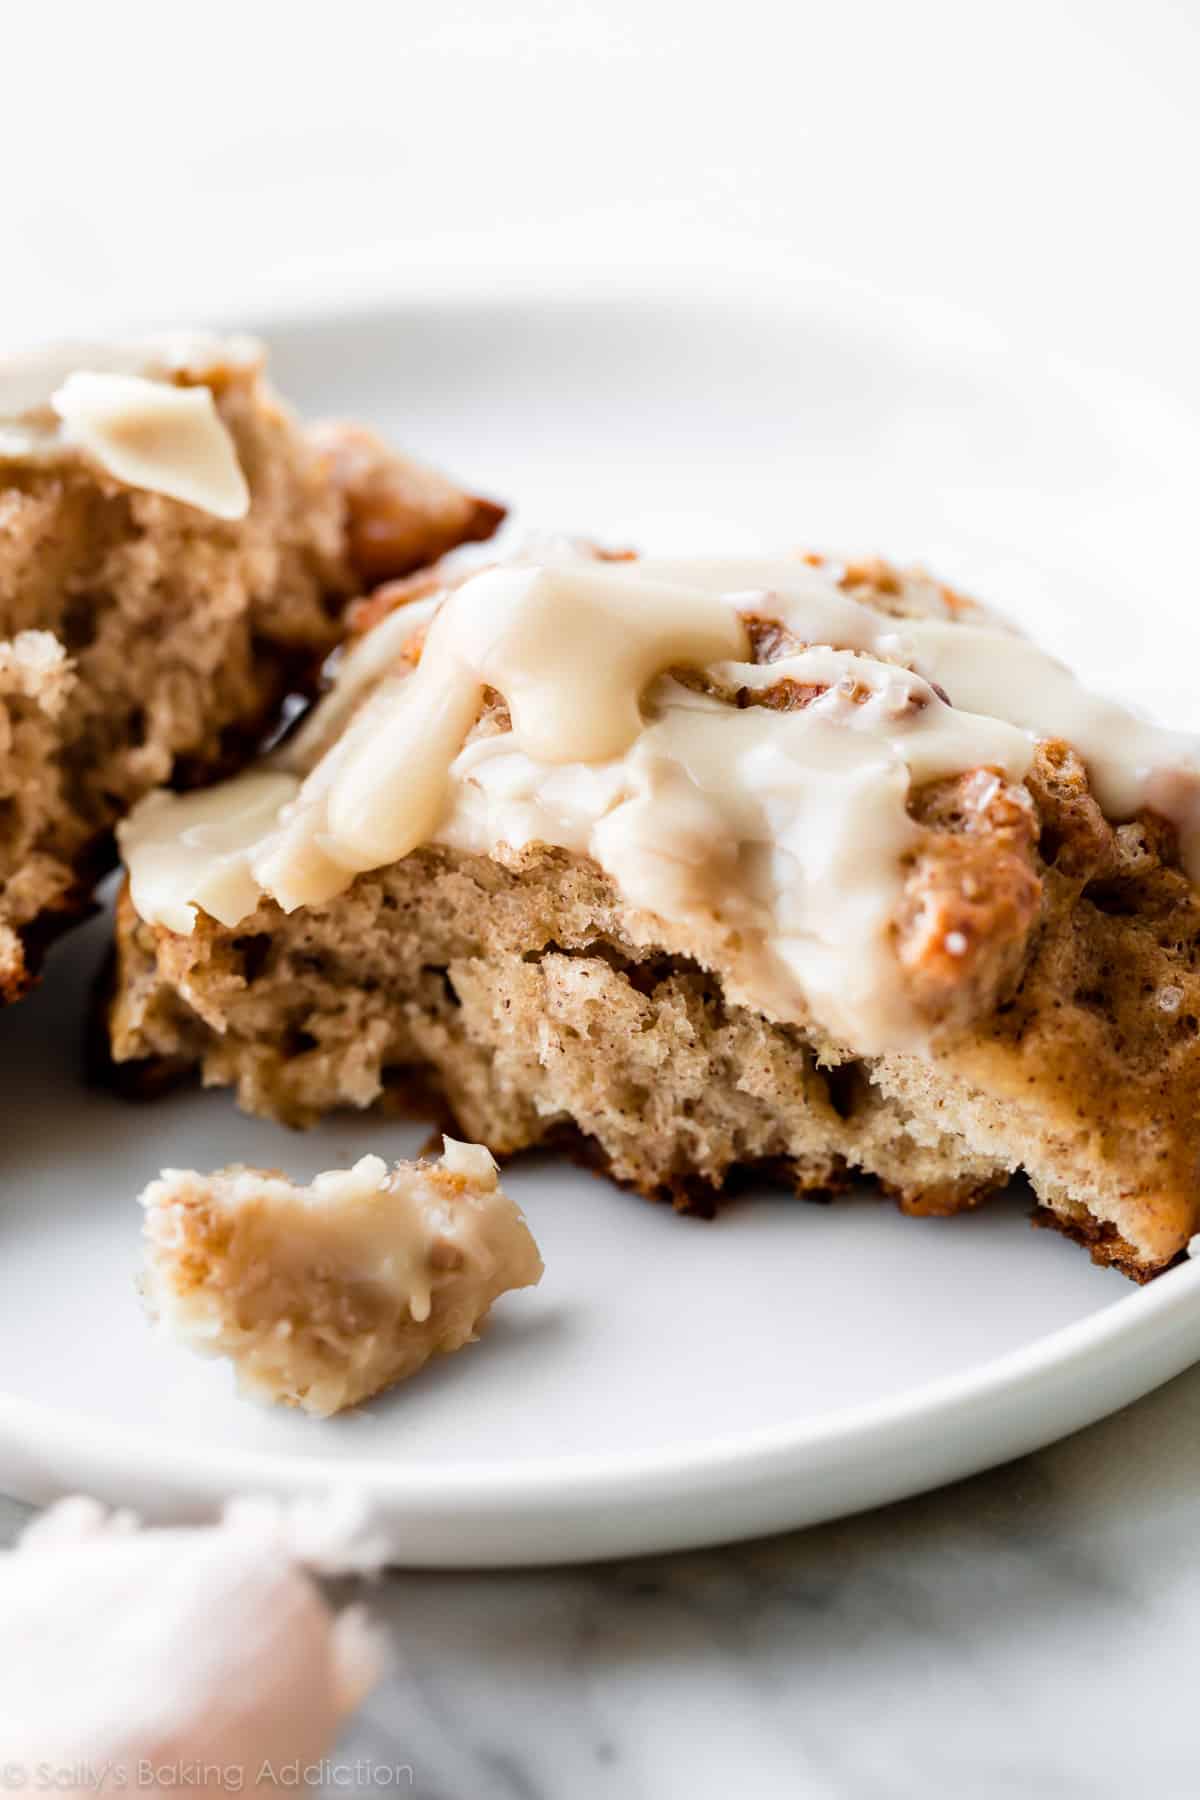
[629,721]
[176,554]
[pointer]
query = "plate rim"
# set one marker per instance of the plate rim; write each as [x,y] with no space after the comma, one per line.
[1144,1312]
[588,1508]
[613,1503]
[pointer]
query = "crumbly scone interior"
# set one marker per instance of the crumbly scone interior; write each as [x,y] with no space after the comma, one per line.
[176,552]
[322,1296]
[1040,947]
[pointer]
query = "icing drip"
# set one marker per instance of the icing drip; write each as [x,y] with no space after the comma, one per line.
[570,651]
[150,434]
[139,412]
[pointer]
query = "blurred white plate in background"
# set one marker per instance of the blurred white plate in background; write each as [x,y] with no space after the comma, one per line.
[672,1382]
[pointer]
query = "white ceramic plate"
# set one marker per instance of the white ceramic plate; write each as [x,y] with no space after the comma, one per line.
[672,1382]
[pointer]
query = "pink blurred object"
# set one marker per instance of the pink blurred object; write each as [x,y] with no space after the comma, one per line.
[179,1660]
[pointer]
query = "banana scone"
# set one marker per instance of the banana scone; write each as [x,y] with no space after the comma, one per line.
[175,555]
[322,1296]
[705,867]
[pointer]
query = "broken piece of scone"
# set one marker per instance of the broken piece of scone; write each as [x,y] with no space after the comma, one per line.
[322,1296]
[176,553]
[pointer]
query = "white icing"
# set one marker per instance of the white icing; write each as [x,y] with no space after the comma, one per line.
[359,667]
[787,829]
[1131,762]
[571,652]
[139,411]
[152,435]
[782,832]
[195,849]
[474,1162]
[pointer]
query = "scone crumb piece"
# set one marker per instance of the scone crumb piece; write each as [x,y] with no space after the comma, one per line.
[322,1296]
[34,666]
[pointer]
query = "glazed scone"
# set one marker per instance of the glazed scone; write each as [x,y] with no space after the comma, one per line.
[176,552]
[704,868]
[322,1296]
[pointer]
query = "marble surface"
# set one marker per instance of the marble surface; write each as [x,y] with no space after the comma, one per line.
[1029,1632]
